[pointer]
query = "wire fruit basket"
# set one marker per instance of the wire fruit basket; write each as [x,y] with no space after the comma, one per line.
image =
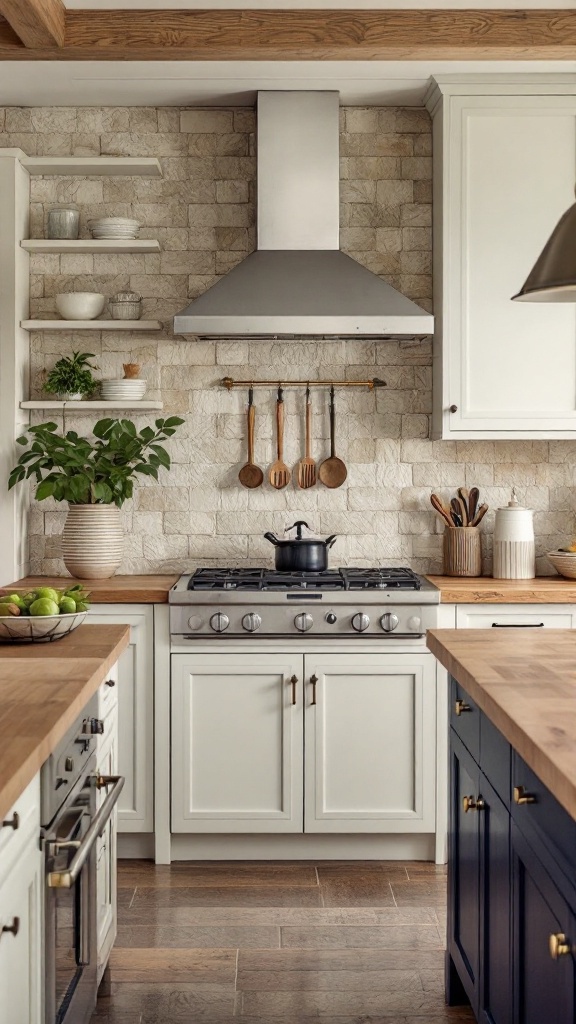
[38,629]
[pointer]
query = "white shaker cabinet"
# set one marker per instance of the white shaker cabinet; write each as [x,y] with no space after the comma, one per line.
[370,743]
[135,714]
[21,871]
[515,616]
[504,173]
[303,743]
[237,743]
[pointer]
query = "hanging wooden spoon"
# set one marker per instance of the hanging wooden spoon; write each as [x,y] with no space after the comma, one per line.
[251,475]
[332,472]
[307,466]
[279,474]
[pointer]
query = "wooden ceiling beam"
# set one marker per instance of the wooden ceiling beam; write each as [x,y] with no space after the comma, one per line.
[289,34]
[37,23]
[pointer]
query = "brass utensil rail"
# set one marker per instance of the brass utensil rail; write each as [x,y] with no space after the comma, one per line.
[229,383]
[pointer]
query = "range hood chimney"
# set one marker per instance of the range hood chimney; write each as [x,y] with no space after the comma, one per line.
[298,283]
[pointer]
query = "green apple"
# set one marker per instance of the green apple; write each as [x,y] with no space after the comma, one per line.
[44,606]
[67,605]
[48,593]
[15,599]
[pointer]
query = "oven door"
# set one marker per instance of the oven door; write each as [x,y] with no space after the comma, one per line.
[71,902]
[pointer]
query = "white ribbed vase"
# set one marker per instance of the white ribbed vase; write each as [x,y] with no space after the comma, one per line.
[92,541]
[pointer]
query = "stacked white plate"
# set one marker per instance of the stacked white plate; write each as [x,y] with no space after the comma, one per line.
[122,390]
[114,227]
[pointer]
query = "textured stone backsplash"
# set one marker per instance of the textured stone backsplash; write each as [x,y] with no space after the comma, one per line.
[202,211]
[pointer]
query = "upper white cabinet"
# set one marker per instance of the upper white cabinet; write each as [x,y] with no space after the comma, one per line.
[504,172]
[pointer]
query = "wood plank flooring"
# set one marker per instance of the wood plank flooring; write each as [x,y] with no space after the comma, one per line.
[279,943]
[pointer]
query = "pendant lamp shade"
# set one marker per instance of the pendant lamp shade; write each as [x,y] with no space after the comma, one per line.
[553,276]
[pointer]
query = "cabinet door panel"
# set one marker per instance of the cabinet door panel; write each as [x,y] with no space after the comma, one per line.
[495,919]
[135,715]
[464,869]
[543,987]
[370,743]
[21,954]
[106,885]
[236,743]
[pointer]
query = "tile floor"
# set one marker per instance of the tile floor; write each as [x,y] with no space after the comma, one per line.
[279,942]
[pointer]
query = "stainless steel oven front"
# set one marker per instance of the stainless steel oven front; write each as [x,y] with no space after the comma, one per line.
[74,816]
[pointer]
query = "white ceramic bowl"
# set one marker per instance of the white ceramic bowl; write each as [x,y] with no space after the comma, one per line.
[564,562]
[38,629]
[80,305]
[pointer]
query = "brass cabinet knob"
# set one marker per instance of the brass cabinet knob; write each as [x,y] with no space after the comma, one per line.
[461,706]
[558,945]
[522,797]
[11,929]
[469,803]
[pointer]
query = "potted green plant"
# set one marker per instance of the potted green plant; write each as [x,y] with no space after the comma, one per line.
[95,477]
[70,379]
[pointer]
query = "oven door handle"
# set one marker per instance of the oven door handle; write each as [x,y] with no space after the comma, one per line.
[66,879]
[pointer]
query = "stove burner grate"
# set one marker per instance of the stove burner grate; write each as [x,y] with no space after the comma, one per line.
[331,579]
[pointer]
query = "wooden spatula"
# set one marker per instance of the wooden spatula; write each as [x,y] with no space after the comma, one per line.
[250,475]
[332,472]
[307,466]
[279,474]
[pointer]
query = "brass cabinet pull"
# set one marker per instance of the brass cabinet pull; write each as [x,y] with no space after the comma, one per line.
[313,681]
[469,803]
[11,929]
[558,945]
[460,706]
[13,822]
[522,797]
[294,682]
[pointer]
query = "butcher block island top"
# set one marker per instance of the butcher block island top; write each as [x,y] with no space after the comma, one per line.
[43,689]
[526,686]
[485,590]
[116,590]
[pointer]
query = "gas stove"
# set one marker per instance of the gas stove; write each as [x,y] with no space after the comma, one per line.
[388,603]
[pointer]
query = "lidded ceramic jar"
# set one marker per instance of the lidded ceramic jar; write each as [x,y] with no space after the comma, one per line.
[514,553]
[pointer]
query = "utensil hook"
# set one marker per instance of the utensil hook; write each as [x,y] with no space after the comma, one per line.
[280,393]
[308,392]
[250,396]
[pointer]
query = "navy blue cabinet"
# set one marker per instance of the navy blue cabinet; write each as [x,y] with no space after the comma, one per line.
[511,950]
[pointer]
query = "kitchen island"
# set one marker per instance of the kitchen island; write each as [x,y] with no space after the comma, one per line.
[512,828]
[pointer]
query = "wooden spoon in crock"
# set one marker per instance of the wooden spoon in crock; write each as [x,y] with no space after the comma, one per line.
[332,472]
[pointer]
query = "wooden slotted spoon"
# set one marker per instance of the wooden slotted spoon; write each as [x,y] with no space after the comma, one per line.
[251,475]
[279,474]
[332,472]
[307,466]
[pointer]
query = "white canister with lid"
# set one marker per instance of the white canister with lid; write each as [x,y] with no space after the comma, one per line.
[514,553]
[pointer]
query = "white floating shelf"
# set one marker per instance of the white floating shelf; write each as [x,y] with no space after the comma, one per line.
[90,406]
[145,166]
[91,325]
[102,245]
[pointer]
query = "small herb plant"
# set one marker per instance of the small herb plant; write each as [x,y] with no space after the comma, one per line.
[84,472]
[72,375]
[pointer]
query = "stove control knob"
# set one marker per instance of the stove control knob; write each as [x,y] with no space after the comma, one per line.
[360,622]
[194,622]
[219,622]
[331,617]
[251,622]
[303,622]
[389,621]
[415,623]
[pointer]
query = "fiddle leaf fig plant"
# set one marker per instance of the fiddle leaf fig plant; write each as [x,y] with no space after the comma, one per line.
[75,469]
[71,375]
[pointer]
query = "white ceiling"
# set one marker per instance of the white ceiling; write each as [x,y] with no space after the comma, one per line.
[234,83]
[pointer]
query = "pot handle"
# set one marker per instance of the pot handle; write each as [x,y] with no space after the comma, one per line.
[272,538]
[298,527]
[331,540]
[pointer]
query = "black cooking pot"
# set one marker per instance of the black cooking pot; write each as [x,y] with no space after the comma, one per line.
[302,554]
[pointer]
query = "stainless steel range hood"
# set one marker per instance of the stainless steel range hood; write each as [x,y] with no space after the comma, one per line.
[298,283]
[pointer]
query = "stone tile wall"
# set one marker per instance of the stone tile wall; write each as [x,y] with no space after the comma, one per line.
[202,211]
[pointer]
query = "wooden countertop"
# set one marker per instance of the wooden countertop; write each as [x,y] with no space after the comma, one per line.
[485,590]
[527,688]
[116,590]
[43,688]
